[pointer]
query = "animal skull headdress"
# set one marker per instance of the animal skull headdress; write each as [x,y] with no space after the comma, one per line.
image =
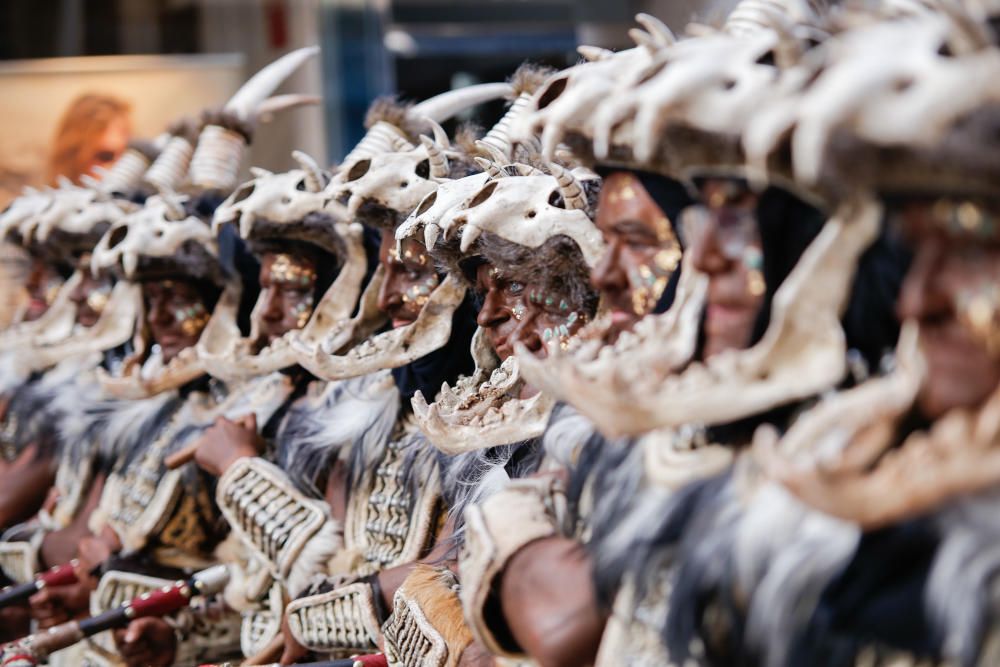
[62,224]
[519,211]
[160,239]
[708,86]
[843,456]
[284,207]
[389,175]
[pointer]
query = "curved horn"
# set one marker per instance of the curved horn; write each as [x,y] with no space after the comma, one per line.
[315,181]
[260,86]
[656,28]
[273,105]
[499,134]
[401,145]
[490,168]
[437,158]
[440,136]
[594,53]
[442,107]
[569,187]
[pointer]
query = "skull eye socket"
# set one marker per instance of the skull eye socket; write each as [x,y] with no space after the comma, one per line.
[483,195]
[117,236]
[243,193]
[423,169]
[358,170]
[554,90]
[301,185]
[556,199]
[426,204]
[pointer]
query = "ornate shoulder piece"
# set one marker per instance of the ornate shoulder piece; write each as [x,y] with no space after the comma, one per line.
[342,622]
[535,508]
[281,526]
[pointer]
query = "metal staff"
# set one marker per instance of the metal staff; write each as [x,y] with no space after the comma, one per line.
[156,603]
[60,575]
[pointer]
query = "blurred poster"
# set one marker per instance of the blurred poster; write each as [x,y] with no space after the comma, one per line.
[70,115]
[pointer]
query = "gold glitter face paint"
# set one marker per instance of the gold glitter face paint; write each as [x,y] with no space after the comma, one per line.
[287,269]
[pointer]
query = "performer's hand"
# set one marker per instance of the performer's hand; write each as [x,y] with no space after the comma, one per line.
[147,642]
[294,652]
[58,604]
[15,622]
[226,441]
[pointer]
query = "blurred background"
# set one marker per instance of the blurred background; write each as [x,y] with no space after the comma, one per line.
[78,78]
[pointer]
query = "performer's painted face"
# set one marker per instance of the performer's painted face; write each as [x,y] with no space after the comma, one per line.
[515,310]
[642,253]
[90,297]
[410,278]
[42,286]
[724,240]
[953,290]
[288,285]
[176,314]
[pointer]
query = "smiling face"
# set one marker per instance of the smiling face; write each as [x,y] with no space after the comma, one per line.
[519,311]
[42,286]
[410,277]
[725,245]
[288,285]
[175,313]
[642,251]
[953,290]
[90,297]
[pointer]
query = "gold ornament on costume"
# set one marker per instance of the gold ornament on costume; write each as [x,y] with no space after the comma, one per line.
[192,320]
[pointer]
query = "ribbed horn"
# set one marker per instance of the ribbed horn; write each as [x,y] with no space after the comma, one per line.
[315,181]
[175,209]
[171,165]
[491,168]
[499,134]
[569,187]
[248,98]
[436,157]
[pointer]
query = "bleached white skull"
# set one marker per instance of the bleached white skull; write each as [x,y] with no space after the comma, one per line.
[284,199]
[395,181]
[159,229]
[426,222]
[23,210]
[888,84]
[564,104]
[530,209]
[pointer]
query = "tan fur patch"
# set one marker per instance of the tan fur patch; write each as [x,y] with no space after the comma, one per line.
[433,589]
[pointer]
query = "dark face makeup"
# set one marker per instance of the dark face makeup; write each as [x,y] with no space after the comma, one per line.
[410,277]
[288,285]
[514,310]
[42,286]
[90,296]
[175,313]
[953,291]
[642,253]
[725,245]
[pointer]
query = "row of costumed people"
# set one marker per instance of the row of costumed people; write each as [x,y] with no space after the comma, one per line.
[691,359]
